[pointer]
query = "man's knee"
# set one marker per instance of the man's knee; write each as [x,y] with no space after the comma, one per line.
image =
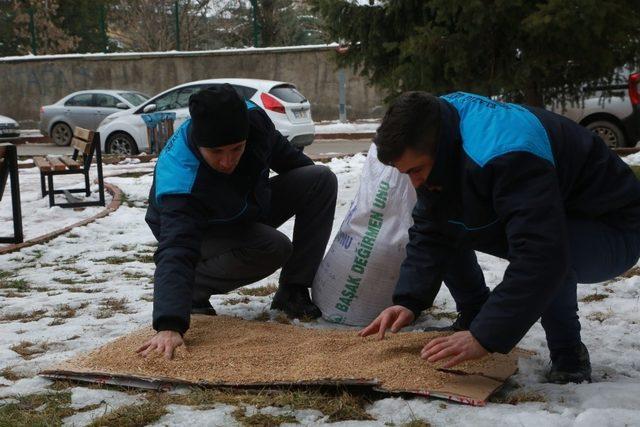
[327,178]
[279,251]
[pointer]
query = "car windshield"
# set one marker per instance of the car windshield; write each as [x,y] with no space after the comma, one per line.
[134,98]
[287,93]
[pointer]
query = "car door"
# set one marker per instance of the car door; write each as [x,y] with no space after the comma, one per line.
[79,111]
[105,105]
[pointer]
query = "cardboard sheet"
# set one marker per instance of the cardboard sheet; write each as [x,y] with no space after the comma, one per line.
[227,351]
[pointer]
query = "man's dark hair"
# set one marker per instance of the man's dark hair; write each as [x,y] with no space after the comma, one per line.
[412,121]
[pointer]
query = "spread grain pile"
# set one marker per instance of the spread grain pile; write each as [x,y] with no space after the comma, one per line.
[227,350]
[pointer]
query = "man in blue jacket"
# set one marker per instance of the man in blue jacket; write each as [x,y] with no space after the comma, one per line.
[520,183]
[214,210]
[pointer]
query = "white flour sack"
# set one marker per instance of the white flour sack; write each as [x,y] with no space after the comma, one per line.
[357,276]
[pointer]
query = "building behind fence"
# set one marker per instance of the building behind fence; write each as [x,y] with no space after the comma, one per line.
[30,82]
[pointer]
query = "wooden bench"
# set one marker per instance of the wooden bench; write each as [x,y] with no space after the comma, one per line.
[86,144]
[9,170]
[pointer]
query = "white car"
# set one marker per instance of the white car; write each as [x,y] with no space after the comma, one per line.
[125,132]
[615,118]
[9,127]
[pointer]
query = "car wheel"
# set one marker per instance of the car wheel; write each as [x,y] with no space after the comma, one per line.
[121,143]
[61,134]
[610,133]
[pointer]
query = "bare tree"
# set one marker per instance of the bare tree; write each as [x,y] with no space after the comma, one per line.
[50,37]
[150,25]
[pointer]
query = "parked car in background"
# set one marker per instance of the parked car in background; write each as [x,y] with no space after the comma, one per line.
[125,132]
[86,109]
[9,128]
[612,112]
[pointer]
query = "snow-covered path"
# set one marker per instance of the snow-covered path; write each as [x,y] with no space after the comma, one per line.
[95,284]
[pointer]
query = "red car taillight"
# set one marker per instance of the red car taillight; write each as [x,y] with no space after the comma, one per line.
[634,82]
[271,104]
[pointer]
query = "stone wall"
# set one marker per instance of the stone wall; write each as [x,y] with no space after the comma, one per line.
[29,82]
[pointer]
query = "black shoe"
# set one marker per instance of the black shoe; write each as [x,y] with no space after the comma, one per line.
[570,365]
[204,307]
[463,321]
[295,302]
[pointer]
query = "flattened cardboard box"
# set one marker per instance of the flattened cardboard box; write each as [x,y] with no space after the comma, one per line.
[227,351]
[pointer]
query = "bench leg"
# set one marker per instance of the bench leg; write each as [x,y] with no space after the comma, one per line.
[42,185]
[86,184]
[52,201]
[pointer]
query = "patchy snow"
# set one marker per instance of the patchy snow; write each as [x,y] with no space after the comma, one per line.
[87,287]
[108,400]
[180,415]
[361,126]
[632,159]
[37,217]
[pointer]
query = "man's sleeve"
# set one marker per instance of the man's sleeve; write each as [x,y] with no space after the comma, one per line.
[527,200]
[181,230]
[284,156]
[422,270]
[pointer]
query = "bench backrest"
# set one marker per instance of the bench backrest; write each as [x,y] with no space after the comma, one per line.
[83,143]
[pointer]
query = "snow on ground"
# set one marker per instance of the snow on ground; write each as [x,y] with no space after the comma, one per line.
[37,217]
[94,284]
[632,159]
[361,126]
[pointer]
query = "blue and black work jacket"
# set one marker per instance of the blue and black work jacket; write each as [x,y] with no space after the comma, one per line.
[510,177]
[188,197]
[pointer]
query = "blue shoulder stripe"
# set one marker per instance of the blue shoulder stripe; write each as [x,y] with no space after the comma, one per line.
[490,129]
[251,105]
[177,166]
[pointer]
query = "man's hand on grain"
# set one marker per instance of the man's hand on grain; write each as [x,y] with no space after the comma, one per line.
[395,317]
[460,346]
[164,342]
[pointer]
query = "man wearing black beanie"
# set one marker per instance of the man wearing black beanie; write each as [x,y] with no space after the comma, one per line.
[214,210]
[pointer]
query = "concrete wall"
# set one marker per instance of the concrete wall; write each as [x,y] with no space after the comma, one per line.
[28,83]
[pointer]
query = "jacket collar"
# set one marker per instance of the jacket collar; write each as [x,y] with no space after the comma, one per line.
[447,162]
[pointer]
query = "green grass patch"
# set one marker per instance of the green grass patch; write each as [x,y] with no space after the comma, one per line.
[261,291]
[46,409]
[144,257]
[19,285]
[24,317]
[28,350]
[114,260]
[136,275]
[236,301]
[6,274]
[10,374]
[80,289]
[600,316]
[518,397]
[261,420]
[132,416]
[635,271]
[111,306]
[594,297]
[338,404]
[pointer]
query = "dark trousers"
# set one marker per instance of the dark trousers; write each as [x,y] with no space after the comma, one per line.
[236,255]
[597,252]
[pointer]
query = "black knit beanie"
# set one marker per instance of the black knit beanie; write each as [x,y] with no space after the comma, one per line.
[218,117]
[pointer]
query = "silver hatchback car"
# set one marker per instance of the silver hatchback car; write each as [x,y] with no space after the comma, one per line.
[85,109]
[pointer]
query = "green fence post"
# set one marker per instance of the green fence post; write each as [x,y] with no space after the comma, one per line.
[103,28]
[254,7]
[177,15]
[32,29]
